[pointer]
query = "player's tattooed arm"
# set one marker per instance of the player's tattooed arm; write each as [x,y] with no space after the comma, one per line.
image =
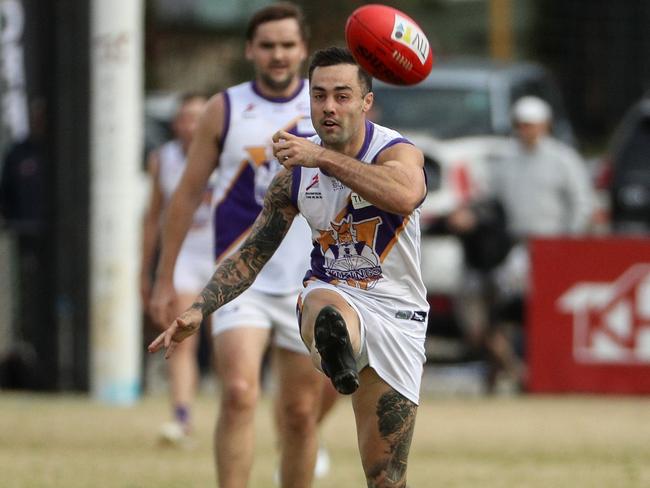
[237,272]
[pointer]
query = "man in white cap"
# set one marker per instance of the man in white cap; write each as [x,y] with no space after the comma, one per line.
[542,183]
[532,119]
[543,188]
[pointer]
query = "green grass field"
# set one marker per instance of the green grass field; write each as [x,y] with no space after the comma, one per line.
[72,442]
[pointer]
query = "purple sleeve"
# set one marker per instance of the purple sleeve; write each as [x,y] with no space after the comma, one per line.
[295,184]
[226,120]
[399,140]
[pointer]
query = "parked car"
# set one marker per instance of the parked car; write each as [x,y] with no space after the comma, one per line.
[460,117]
[624,174]
[465,97]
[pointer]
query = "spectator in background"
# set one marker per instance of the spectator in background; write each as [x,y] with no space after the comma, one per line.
[26,209]
[194,265]
[538,187]
[23,183]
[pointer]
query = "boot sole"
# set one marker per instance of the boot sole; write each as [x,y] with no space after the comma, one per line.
[333,344]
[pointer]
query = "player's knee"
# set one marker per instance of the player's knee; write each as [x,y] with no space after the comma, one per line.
[299,417]
[239,395]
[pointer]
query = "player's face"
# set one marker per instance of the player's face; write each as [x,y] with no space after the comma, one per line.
[339,106]
[187,119]
[277,51]
[530,134]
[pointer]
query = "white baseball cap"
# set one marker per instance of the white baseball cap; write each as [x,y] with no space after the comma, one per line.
[531,110]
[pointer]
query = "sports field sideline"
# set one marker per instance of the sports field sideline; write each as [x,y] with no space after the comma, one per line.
[566,441]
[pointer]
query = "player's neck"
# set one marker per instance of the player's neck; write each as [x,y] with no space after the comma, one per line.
[352,147]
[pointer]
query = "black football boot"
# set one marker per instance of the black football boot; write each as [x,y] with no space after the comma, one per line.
[333,344]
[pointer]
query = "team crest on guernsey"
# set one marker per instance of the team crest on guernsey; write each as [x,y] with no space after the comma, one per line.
[349,251]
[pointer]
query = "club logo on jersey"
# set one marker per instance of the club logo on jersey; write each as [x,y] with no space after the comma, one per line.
[409,34]
[349,251]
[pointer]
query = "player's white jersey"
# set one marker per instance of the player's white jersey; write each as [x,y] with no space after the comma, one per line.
[199,239]
[356,245]
[246,167]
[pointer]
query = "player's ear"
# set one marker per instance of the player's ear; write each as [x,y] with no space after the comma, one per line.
[368,100]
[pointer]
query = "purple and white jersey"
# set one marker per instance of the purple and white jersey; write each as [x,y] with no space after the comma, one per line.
[172,160]
[247,167]
[356,245]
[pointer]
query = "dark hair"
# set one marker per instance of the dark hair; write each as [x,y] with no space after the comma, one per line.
[332,56]
[277,11]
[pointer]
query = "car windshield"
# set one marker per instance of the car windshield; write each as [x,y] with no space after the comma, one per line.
[444,112]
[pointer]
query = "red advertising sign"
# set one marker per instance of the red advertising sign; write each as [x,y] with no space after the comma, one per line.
[589,316]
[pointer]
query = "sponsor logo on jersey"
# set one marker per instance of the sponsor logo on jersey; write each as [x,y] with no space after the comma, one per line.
[313,183]
[336,184]
[249,111]
[358,201]
[312,192]
[416,315]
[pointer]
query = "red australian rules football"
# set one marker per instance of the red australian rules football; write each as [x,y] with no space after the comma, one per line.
[388,44]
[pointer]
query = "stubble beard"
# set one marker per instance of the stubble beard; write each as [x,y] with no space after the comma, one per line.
[332,141]
[275,84]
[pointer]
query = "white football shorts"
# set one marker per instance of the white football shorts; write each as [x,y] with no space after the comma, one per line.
[257,309]
[392,346]
[193,271]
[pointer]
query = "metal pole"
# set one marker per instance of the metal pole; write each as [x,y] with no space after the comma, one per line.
[116,201]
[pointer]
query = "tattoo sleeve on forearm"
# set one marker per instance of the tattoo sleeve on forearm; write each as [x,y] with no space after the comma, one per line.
[237,272]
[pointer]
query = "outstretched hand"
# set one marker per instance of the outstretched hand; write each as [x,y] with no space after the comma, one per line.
[184,326]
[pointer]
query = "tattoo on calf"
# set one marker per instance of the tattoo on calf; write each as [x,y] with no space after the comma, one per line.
[396,422]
